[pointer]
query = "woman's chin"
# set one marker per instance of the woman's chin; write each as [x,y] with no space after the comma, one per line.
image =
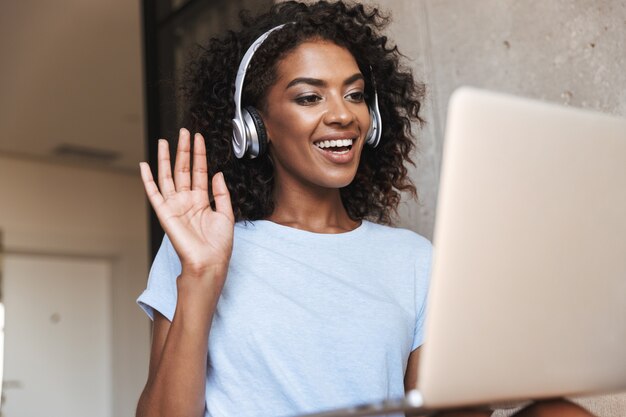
[339,181]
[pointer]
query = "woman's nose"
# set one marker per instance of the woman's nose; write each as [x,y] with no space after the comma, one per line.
[338,112]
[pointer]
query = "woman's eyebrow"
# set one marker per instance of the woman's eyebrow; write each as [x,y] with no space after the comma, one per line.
[353,78]
[306,80]
[321,83]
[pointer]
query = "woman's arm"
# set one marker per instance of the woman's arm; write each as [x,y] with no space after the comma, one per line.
[410,376]
[177,376]
[202,238]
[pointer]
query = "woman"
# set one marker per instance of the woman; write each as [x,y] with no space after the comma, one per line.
[283,298]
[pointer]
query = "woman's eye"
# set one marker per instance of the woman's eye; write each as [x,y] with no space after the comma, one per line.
[357,97]
[308,100]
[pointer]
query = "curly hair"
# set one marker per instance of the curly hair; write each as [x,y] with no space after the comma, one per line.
[374,194]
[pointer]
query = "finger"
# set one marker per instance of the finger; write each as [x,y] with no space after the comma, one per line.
[222,196]
[199,176]
[166,185]
[181,167]
[152,191]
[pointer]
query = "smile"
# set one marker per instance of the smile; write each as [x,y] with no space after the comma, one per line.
[338,146]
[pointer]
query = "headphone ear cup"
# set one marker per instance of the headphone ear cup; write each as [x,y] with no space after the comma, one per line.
[257,134]
[374,133]
[370,130]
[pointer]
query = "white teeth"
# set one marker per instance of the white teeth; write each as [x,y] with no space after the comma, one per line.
[334,143]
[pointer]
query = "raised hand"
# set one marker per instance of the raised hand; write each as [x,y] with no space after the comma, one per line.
[201,236]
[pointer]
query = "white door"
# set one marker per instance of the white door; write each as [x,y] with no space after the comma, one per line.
[57,356]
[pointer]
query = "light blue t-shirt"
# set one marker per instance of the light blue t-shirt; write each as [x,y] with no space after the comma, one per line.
[307,321]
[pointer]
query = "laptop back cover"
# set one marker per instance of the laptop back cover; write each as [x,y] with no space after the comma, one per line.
[528,298]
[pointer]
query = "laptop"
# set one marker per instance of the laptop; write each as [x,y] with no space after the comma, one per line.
[528,291]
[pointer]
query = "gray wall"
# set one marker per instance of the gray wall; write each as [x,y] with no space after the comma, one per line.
[565,51]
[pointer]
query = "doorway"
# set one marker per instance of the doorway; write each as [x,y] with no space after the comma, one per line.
[58,340]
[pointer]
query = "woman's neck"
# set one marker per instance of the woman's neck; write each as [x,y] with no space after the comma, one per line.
[314,209]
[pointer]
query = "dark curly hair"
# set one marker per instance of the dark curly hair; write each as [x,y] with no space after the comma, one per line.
[374,193]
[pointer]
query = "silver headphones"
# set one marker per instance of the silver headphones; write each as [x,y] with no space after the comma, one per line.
[249,135]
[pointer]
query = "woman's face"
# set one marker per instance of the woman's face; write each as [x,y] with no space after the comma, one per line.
[316,116]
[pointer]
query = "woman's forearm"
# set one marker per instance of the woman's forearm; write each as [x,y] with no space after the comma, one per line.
[177,386]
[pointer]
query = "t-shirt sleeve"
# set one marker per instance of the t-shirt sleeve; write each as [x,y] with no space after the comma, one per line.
[161,292]
[422,280]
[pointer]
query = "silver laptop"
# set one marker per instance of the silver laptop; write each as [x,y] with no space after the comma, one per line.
[528,293]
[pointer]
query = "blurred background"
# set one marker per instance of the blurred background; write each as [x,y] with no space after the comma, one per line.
[86,88]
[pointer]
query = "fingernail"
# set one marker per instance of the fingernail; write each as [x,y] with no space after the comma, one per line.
[182,130]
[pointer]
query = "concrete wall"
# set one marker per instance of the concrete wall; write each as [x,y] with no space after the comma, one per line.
[67,211]
[565,51]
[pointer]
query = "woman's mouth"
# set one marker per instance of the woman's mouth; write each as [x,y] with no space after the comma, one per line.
[336,146]
[337,151]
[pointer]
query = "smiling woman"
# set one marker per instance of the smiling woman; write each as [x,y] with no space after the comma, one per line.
[276,282]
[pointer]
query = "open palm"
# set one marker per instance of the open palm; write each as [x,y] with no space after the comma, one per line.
[201,236]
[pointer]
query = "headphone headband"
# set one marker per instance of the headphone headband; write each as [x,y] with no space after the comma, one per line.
[240,130]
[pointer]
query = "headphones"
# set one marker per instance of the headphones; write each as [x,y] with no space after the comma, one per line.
[249,135]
